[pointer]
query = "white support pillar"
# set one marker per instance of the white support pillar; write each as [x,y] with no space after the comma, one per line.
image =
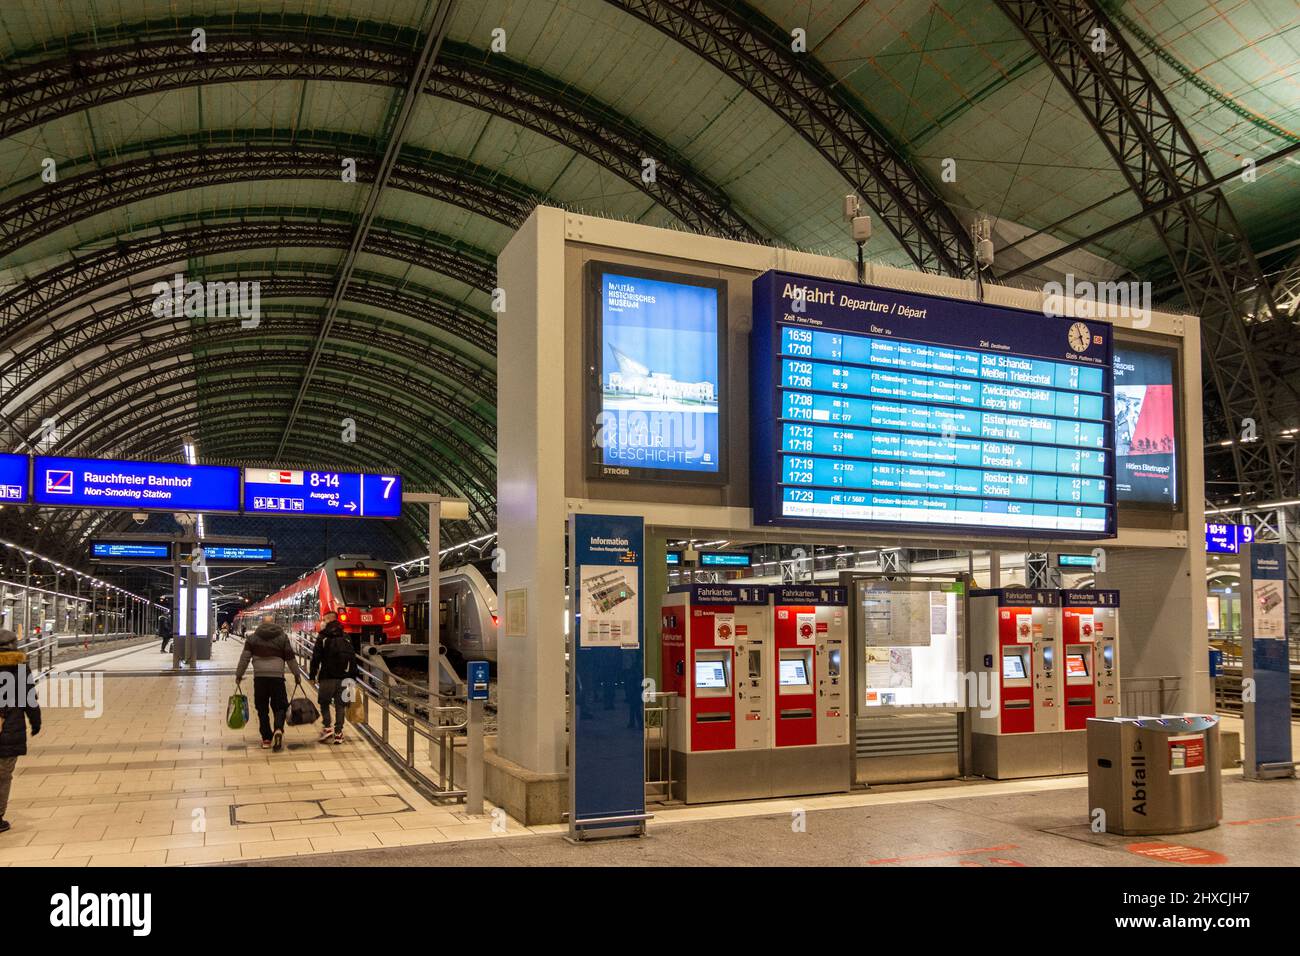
[531,506]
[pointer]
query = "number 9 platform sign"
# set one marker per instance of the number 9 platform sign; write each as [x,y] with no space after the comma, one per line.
[606,732]
[335,494]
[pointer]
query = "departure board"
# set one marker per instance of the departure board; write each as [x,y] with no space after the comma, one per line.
[872,407]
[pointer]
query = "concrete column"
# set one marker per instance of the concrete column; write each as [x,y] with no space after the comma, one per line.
[531,509]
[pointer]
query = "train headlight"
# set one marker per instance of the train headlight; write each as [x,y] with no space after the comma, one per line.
[388,615]
[343,617]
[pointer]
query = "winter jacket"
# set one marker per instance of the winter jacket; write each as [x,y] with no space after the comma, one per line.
[269,649]
[323,654]
[164,628]
[17,703]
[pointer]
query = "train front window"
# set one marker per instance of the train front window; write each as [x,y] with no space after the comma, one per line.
[363,587]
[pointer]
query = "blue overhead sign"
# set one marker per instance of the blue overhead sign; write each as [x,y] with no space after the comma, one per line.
[13,478]
[135,485]
[287,491]
[723,559]
[1227,538]
[243,554]
[131,551]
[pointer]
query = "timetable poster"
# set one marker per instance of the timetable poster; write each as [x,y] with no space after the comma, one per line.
[1145,434]
[879,408]
[660,376]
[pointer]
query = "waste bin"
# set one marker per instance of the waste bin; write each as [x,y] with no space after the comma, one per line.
[1155,774]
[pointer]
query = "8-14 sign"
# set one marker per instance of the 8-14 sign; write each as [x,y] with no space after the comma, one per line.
[290,491]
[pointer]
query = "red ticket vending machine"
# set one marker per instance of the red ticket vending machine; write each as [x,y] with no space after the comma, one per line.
[717,652]
[1090,667]
[1016,711]
[810,685]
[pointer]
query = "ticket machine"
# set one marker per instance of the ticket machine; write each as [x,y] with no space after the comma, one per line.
[810,686]
[1090,668]
[1016,715]
[717,654]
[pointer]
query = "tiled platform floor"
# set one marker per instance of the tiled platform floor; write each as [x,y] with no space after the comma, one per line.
[1033,823]
[159,779]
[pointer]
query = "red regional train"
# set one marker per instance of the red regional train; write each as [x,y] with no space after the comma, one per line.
[363,593]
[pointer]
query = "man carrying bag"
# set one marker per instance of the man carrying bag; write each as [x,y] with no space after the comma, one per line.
[333,658]
[269,650]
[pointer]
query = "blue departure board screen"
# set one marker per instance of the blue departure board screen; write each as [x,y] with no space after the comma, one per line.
[872,407]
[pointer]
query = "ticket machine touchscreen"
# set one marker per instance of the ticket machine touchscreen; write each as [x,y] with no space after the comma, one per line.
[794,671]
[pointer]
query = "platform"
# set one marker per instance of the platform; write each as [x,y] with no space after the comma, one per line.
[158,779]
[1011,824]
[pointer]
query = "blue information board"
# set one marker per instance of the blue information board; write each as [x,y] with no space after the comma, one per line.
[1268,719]
[135,485]
[13,478]
[131,550]
[1227,538]
[876,407]
[476,679]
[337,494]
[607,736]
[239,554]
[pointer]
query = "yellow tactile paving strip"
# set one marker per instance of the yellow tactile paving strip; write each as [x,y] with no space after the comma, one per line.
[159,779]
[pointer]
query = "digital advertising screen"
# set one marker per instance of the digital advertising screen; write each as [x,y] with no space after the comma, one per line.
[1146,428]
[873,408]
[656,402]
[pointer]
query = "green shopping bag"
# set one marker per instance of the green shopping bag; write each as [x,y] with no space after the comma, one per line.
[236,711]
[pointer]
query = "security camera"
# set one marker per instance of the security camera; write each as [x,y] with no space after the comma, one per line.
[140,517]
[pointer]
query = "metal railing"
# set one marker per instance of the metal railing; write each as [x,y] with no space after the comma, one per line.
[41,652]
[397,716]
[658,725]
[1148,696]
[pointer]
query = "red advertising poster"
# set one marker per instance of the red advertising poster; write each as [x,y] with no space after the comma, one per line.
[1187,753]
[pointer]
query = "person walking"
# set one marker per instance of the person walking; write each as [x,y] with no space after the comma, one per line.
[269,650]
[333,659]
[165,632]
[18,708]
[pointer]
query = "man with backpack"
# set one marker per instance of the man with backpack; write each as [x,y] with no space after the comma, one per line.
[333,658]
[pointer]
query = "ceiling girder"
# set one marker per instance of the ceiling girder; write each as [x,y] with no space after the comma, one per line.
[245,48]
[1159,158]
[754,52]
